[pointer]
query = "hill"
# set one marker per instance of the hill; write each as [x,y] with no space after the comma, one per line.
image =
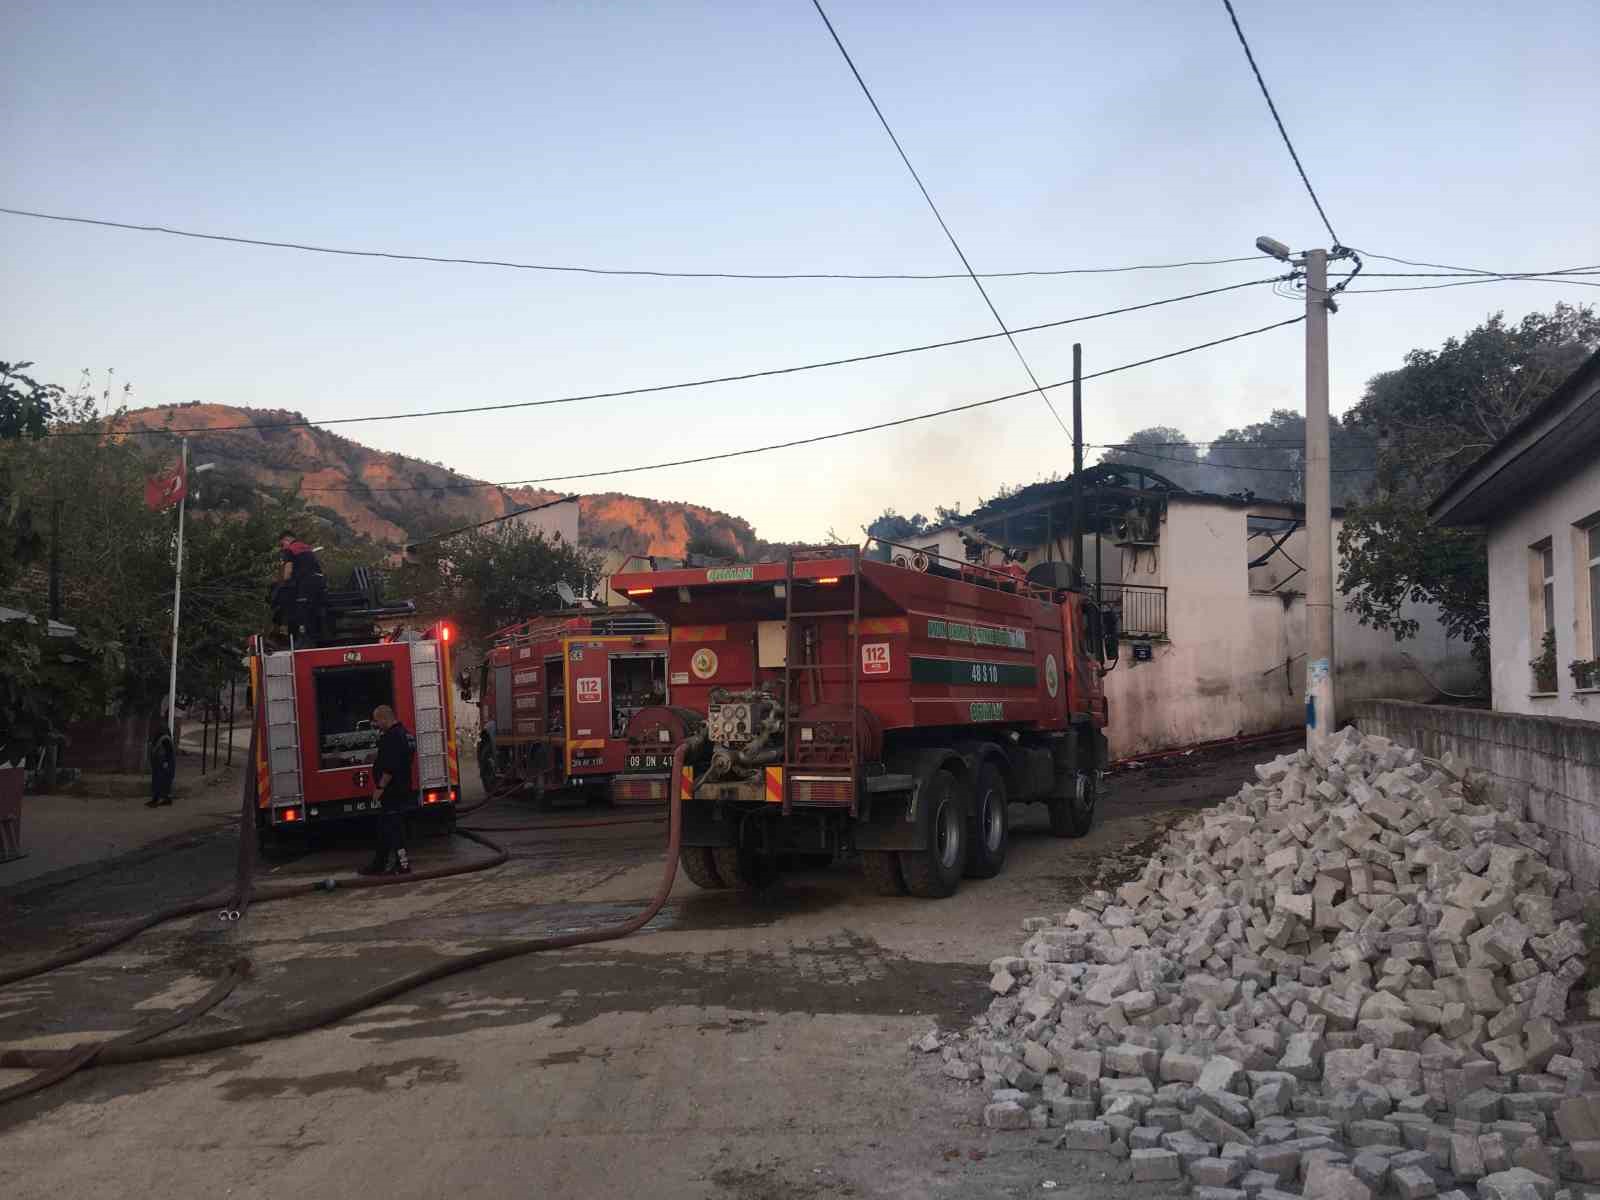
[351,481]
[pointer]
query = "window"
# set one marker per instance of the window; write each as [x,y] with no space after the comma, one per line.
[1594,590]
[1547,570]
[346,696]
[1542,616]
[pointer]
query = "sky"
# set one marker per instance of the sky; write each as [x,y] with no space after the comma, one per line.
[731,137]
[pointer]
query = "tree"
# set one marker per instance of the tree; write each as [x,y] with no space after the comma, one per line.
[1162,449]
[26,406]
[489,578]
[892,527]
[1431,419]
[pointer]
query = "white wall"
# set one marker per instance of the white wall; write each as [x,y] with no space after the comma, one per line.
[1233,662]
[557,521]
[1512,612]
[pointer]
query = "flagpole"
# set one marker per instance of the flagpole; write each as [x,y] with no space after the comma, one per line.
[177,598]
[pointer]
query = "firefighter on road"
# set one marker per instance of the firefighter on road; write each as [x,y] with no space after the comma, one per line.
[392,793]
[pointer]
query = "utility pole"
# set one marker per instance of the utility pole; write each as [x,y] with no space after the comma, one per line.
[1321,714]
[177,599]
[1077,461]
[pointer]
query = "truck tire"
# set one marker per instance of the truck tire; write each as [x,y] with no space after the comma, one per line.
[990,828]
[1072,812]
[745,870]
[882,869]
[700,866]
[935,871]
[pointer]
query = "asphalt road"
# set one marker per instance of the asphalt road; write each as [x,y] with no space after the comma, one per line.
[733,1050]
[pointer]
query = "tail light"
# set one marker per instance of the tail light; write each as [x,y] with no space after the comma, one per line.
[289,814]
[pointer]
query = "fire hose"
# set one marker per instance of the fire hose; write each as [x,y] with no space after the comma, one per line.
[140,1046]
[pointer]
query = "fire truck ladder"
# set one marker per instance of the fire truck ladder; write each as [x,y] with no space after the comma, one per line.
[283,730]
[794,670]
[427,707]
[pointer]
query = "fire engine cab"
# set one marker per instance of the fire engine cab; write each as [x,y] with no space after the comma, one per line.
[556,695]
[314,737]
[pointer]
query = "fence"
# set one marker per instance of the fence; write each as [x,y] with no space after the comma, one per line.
[1141,609]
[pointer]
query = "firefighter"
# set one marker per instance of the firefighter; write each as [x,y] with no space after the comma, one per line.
[302,589]
[392,793]
[163,768]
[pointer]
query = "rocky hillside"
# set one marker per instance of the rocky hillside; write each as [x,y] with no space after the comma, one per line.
[355,478]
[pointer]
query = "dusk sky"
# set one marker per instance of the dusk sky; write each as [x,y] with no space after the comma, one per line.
[731,137]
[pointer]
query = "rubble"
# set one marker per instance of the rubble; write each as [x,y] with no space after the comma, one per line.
[1351,980]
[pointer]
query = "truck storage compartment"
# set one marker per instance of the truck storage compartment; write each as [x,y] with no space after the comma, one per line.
[345,698]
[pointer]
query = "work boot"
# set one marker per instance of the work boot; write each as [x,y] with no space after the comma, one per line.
[402,864]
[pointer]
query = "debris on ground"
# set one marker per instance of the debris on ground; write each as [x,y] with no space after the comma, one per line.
[1351,980]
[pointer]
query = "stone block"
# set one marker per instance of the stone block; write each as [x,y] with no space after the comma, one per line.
[1220,1074]
[1215,1172]
[1518,1183]
[1328,1181]
[1413,1183]
[1086,1135]
[1128,1059]
[1151,1165]
[1008,1114]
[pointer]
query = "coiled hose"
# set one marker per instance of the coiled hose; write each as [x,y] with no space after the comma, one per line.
[133,1048]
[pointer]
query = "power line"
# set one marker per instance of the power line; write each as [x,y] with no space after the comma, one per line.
[1433,287]
[667,387]
[1186,462]
[448,260]
[1284,133]
[825,437]
[938,216]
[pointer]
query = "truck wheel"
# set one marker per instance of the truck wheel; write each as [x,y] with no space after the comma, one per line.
[1072,814]
[991,824]
[744,869]
[882,869]
[935,871]
[700,866]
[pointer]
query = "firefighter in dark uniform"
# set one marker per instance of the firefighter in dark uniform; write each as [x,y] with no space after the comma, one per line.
[302,590]
[392,793]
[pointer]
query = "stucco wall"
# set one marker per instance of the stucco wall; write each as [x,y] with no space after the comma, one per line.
[1513,643]
[1233,662]
[1549,765]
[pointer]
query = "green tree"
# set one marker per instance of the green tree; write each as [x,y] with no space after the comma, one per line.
[892,527]
[1431,419]
[486,579]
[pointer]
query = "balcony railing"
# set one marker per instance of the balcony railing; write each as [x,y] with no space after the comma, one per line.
[1141,609]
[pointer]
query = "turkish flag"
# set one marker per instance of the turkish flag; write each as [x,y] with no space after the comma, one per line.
[166,489]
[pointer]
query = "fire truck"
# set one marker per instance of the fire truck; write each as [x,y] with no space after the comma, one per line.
[556,695]
[842,699]
[314,737]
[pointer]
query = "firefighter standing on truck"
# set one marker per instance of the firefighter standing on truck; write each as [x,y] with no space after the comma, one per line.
[301,591]
[392,794]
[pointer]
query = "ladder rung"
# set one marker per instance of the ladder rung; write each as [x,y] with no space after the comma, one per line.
[829,612]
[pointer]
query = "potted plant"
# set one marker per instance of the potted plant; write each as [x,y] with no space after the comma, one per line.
[1544,667]
[1585,673]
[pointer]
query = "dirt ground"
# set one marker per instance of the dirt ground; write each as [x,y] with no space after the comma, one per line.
[732,1051]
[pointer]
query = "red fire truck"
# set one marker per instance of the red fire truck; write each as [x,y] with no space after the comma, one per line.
[839,699]
[556,694]
[315,741]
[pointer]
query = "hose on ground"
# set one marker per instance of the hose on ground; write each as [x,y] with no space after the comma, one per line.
[120,1052]
[652,819]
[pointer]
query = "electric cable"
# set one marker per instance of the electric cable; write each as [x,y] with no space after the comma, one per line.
[843,433]
[582,270]
[1277,120]
[938,216]
[245,426]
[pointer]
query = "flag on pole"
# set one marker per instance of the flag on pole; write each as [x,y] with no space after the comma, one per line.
[166,489]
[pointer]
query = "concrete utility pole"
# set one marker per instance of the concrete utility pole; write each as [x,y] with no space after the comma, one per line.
[1077,460]
[1321,714]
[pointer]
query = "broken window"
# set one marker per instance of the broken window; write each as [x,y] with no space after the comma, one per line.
[1542,617]
[1275,549]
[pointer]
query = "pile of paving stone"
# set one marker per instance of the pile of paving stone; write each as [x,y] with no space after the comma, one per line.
[1351,980]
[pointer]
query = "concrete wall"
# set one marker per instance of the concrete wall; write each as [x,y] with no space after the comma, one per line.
[1548,764]
[1233,661]
[1515,609]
